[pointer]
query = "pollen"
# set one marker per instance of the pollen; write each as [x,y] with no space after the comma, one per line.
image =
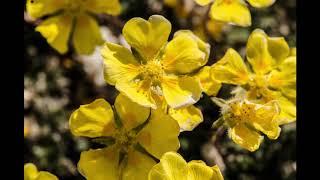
[153,71]
[239,112]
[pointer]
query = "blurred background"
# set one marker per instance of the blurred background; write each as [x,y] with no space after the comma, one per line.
[55,85]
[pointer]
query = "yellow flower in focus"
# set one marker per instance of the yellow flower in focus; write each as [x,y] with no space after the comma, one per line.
[172,166]
[190,116]
[272,76]
[234,11]
[132,133]
[31,173]
[66,14]
[246,120]
[154,68]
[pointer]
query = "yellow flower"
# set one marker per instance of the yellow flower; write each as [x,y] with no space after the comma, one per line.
[187,117]
[154,68]
[132,133]
[246,120]
[273,74]
[68,13]
[215,28]
[234,11]
[209,84]
[26,129]
[190,116]
[182,8]
[172,166]
[31,173]
[171,3]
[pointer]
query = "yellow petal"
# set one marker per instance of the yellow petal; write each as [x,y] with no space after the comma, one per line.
[31,173]
[57,31]
[112,7]
[232,11]
[138,91]
[278,49]
[198,170]
[39,8]
[170,3]
[230,69]
[265,120]
[86,35]
[160,135]
[288,111]
[181,91]
[203,2]
[187,117]
[245,137]
[203,46]
[119,63]
[171,166]
[257,52]
[93,120]
[209,85]
[293,51]
[147,37]
[261,3]
[131,114]
[100,164]
[185,53]
[217,173]
[284,78]
[263,52]
[46,176]
[138,166]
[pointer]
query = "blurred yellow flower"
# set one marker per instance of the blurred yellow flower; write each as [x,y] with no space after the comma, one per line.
[215,28]
[31,173]
[171,3]
[182,8]
[132,134]
[26,128]
[273,74]
[246,120]
[25,131]
[234,11]
[66,14]
[172,166]
[154,68]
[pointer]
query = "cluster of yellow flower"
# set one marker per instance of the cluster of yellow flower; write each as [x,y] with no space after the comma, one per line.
[159,83]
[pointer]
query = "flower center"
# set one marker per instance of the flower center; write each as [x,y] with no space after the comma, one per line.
[125,139]
[258,88]
[239,113]
[152,71]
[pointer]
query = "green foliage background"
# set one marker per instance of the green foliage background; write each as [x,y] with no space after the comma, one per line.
[55,85]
